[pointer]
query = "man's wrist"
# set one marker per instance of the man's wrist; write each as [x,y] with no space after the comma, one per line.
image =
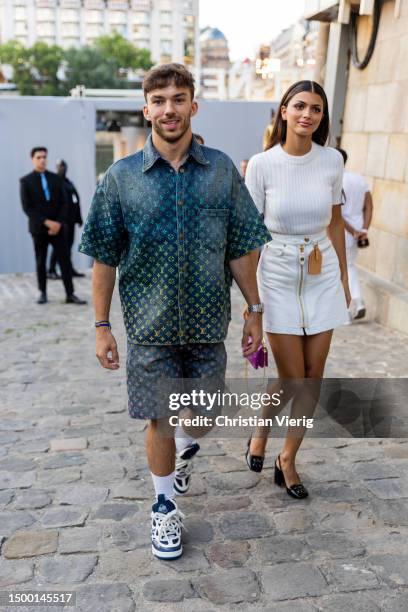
[256,308]
[103,324]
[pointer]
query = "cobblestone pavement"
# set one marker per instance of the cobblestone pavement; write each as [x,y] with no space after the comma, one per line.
[75,494]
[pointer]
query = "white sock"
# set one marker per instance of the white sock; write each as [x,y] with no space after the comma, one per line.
[182,439]
[163,485]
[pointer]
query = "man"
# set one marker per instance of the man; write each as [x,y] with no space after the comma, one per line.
[180,223]
[44,200]
[357,213]
[73,217]
[244,166]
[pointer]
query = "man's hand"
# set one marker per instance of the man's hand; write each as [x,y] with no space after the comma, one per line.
[53,227]
[253,328]
[106,349]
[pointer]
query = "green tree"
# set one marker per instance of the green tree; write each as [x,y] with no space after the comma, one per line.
[34,69]
[14,54]
[11,51]
[127,56]
[87,66]
[45,61]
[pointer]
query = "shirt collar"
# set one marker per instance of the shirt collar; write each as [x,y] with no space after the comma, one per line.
[151,154]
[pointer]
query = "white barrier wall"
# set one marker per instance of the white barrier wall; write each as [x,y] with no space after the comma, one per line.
[66,126]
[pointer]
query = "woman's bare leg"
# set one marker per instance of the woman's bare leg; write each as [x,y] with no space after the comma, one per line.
[289,358]
[315,351]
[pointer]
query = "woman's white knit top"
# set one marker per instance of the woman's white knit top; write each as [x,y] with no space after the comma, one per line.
[296,193]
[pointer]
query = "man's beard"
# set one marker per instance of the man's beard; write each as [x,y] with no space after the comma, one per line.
[171,138]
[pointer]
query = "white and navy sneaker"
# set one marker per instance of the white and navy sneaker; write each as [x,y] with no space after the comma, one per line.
[184,467]
[167,523]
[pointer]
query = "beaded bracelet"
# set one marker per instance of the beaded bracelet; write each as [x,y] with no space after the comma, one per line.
[103,324]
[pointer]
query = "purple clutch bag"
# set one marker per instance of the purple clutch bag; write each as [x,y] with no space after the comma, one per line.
[259,359]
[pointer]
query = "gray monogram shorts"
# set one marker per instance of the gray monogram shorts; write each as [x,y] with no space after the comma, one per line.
[155,372]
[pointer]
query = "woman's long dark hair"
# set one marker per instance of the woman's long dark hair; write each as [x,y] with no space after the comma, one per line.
[278,134]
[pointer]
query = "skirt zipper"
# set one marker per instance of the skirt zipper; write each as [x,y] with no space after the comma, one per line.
[302,263]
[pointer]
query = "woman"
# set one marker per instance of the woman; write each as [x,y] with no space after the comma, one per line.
[302,275]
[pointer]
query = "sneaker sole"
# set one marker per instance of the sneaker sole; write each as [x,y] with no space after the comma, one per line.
[167,556]
[178,492]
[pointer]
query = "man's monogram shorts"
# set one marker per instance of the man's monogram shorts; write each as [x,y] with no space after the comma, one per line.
[156,372]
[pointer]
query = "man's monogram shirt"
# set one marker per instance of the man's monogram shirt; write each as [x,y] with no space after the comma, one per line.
[172,234]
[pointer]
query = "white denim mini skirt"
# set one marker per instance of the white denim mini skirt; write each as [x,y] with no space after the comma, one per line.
[295,301]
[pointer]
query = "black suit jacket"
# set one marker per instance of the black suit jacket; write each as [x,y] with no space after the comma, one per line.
[74,207]
[36,206]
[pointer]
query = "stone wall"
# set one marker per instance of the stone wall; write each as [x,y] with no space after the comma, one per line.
[375,134]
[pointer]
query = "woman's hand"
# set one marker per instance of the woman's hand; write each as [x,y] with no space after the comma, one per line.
[346,288]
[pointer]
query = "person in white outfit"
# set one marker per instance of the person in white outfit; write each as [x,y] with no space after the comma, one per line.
[357,214]
[302,272]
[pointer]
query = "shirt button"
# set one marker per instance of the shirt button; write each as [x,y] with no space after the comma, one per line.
[181,236]
[181,202]
[181,170]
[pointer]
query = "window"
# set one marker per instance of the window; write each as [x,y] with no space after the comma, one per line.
[141,17]
[165,32]
[120,29]
[140,31]
[142,43]
[45,29]
[94,17]
[50,40]
[188,6]
[20,28]
[141,5]
[45,14]
[93,30]
[70,15]
[166,17]
[166,47]
[68,42]
[117,17]
[166,5]
[70,30]
[20,13]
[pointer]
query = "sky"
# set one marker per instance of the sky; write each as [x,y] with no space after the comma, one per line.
[249,23]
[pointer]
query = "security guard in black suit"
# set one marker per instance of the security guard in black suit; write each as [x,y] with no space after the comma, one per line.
[44,201]
[73,217]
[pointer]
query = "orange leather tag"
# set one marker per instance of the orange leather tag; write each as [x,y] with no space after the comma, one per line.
[315,261]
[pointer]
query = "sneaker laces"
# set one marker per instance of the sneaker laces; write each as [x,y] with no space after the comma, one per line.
[184,467]
[167,525]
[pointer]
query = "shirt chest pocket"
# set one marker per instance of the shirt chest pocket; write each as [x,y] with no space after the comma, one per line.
[213,228]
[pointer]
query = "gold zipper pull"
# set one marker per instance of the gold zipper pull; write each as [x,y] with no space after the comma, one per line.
[302,254]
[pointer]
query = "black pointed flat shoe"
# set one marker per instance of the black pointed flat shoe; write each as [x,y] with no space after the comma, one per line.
[254,462]
[42,299]
[298,491]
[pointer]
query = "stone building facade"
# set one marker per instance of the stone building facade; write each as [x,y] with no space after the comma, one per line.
[374,132]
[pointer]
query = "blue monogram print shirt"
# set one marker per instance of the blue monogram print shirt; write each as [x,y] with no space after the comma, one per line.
[172,234]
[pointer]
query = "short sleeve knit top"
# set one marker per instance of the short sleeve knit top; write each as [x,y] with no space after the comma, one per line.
[294,193]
